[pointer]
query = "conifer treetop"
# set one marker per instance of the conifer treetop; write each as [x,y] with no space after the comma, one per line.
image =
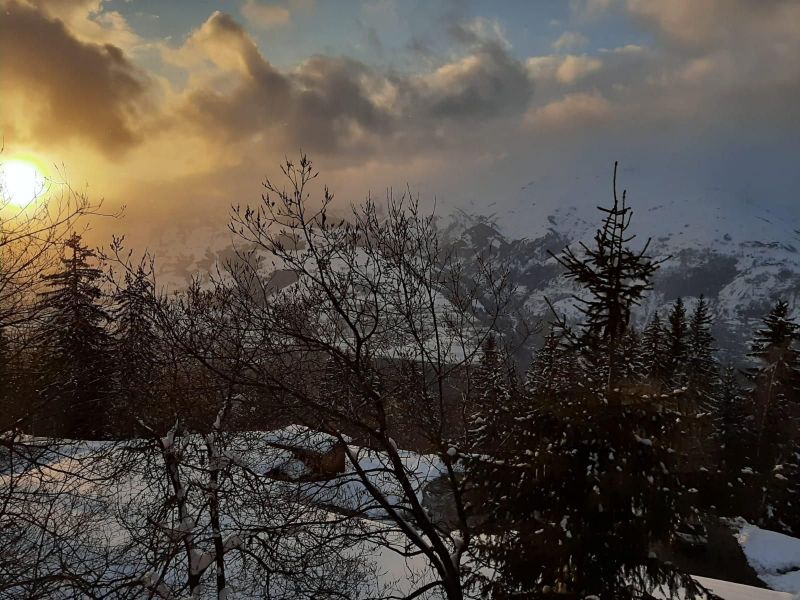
[615,276]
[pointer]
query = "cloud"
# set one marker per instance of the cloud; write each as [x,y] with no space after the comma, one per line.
[724,58]
[487,82]
[714,22]
[69,88]
[565,70]
[265,15]
[445,108]
[713,62]
[221,41]
[590,9]
[333,104]
[88,20]
[570,112]
[479,30]
[573,68]
[570,40]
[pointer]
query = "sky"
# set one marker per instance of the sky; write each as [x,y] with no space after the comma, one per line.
[180,109]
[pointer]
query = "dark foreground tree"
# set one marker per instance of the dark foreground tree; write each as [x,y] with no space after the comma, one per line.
[587,488]
[734,442]
[653,351]
[677,344]
[134,353]
[775,383]
[549,370]
[775,404]
[76,341]
[702,368]
[616,278]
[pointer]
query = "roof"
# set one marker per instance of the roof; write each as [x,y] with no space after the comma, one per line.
[303,438]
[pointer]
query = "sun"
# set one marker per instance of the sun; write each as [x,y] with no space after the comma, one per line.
[21,182]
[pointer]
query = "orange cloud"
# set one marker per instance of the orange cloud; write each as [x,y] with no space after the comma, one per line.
[65,88]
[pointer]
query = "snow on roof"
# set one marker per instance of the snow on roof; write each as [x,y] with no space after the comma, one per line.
[301,437]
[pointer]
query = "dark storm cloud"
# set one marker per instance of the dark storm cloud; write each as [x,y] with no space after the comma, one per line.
[70,88]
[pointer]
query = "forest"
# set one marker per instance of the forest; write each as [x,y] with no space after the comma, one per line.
[345,409]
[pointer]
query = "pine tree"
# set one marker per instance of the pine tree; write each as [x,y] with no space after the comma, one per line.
[630,356]
[495,393]
[775,397]
[677,344]
[654,351]
[498,472]
[75,335]
[547,372]
[702,371]
[134,351]
[733,436]
[783,492]
[588,485]
[616,278]
[775,382]
[700,375]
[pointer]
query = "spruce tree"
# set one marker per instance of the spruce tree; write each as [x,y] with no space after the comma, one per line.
[494,391]
[677,344]
[701,378]
[547,372]
[654,352]
[134,351]
[615,277]
[702,370]
[775,397]
[582,498]
[775,380]
[733,437]
[783,492]
[75,336]
[631,356]
[498,473]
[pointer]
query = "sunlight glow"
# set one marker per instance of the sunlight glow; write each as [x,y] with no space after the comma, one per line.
[21,182]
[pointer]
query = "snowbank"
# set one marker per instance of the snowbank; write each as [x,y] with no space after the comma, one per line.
[774,556]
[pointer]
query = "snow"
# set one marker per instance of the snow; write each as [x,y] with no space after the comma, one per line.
[774,556]
[349,492]
[735,591]
[103,512]
[300,437]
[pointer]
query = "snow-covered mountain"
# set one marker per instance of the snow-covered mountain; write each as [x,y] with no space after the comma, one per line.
[741,261]
[740,256]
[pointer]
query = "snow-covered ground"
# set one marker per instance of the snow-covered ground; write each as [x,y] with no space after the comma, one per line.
[775,557]
[113,497]
[734,591]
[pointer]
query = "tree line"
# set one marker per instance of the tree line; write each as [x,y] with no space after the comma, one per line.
[615,437]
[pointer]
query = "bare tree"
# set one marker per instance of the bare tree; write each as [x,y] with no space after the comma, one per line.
[374,339]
